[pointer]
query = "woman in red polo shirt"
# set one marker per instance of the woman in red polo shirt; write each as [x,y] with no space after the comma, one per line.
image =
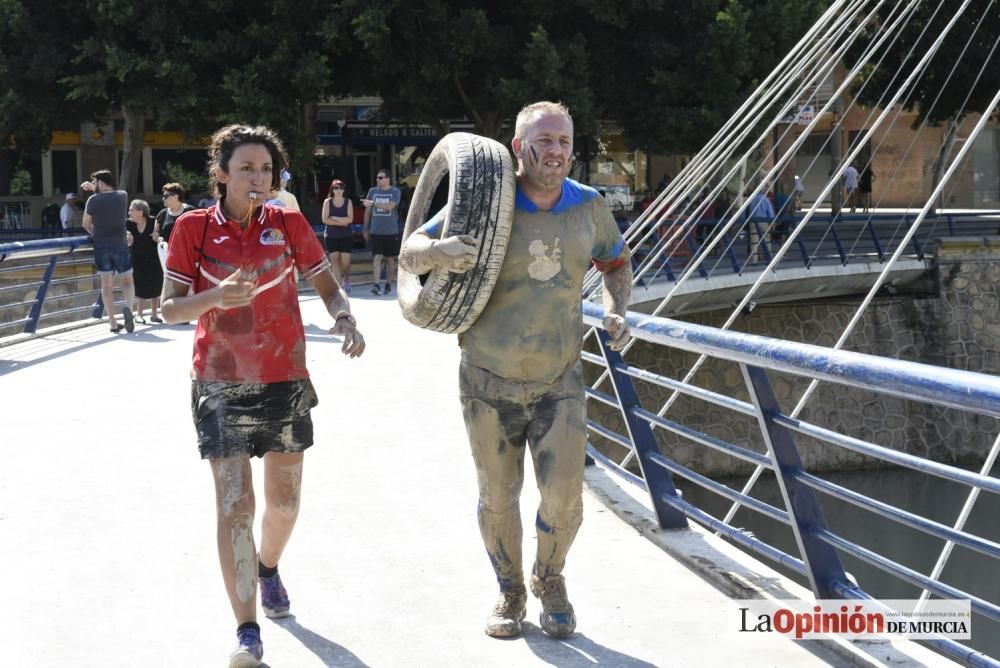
[232,266]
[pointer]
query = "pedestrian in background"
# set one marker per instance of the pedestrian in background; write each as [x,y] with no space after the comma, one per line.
[104,219]
[174,207]
[865,186]
[143,237]
[337,216]
[382,229]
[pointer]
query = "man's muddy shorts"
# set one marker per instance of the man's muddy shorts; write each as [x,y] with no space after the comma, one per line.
[252,418]
[508,394]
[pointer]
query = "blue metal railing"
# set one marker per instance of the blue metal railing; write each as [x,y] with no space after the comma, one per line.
[818,548]
[849,238]
[58,252]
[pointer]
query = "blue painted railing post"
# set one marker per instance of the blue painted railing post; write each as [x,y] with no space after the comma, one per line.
[836,240]
[36,309]
[878,245]
[658,480]
[826,573]
[730,253]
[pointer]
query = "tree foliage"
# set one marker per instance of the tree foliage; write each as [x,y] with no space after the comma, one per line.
[443,59]
[961,84]
[668,73]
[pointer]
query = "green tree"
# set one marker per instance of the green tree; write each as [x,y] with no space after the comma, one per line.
[439,60]
[36,45]
[673,73]
[193,67]
[118,67]
[260,63]
[665,71]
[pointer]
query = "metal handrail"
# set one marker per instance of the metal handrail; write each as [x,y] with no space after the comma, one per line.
[819,243]
[818,548]
[52,249]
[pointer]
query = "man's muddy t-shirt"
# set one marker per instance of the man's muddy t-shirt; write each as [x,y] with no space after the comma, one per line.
[532,327]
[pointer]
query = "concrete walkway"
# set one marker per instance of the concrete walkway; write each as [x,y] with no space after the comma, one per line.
[107,525]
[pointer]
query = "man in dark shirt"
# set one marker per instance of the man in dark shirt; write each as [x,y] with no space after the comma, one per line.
[104,219]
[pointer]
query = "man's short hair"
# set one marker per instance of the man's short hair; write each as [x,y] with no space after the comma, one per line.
[528,114]
[104,176]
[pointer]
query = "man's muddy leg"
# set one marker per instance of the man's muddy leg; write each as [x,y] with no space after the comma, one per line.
[557,438]
[496,436]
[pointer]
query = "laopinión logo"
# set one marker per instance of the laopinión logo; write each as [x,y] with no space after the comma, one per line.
[858,619]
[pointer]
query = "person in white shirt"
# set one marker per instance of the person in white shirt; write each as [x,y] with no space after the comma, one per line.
[281,197]
[67,211]
[851,186]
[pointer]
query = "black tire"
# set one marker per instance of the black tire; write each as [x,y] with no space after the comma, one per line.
[481,189]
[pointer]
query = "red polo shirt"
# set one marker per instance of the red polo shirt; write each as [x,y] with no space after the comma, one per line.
[263,342]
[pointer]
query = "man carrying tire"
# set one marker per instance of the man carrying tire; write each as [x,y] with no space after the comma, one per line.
[520,378]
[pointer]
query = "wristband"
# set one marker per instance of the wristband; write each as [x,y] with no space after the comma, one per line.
[345,316]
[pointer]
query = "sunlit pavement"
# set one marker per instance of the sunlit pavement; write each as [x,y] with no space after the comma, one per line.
[108,537]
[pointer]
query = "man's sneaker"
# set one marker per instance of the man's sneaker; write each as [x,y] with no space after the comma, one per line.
[273,597]
[388,289]
[347,287]
[250,650]
[505,620]
[376,289]
[129,319]
[557,617]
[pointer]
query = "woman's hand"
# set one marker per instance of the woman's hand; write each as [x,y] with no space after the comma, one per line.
[234,292]
[354,343]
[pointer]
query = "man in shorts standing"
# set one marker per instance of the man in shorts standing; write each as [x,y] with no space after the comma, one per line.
[382,229]
[104,219]
[520,381]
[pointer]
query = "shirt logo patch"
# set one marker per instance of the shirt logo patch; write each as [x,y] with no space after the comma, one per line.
[545,265]
[220,239]
[272,237]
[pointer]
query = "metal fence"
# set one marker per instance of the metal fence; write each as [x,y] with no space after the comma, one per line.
[818,548]
[47,281]
[846,239]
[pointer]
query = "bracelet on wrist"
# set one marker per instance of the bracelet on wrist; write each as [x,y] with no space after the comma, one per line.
[345,316]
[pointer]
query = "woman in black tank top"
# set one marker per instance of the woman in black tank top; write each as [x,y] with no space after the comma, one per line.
[338,214]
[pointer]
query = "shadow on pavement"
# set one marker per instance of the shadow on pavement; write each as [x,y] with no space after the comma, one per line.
[577,650]
[330,652]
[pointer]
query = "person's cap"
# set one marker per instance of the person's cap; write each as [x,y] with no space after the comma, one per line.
[286,175]
[70,196]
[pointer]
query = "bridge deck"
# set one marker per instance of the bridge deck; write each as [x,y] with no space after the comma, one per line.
[107,523]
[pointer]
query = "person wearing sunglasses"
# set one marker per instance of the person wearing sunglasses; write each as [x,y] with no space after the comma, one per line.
[381,229]
[338,214]
[174,207]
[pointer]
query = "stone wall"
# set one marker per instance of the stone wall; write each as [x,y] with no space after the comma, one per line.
[958,327]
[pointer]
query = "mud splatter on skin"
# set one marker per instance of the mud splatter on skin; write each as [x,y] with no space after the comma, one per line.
[291,489]
[235,487]
[244,557]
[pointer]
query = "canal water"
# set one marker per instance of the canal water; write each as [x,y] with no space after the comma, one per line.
[931,497]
